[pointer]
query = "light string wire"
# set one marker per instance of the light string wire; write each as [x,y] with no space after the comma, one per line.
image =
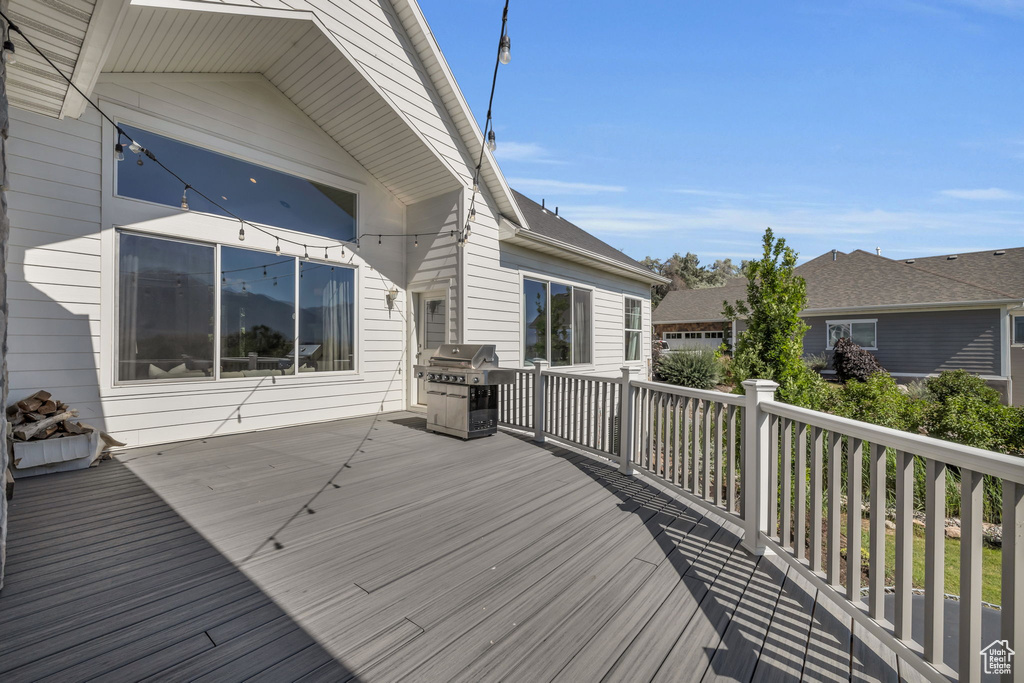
[488,125]
[121,134]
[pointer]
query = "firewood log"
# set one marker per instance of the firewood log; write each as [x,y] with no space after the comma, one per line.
[48,408]
[28,430]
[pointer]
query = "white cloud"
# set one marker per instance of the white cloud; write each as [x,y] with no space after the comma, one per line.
[541,185]
[525,152]
[987,194]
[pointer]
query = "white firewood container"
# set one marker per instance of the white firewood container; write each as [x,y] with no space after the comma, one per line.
[67,453]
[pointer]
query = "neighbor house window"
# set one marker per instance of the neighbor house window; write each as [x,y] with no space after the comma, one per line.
[1018,330]
[672,335]
[165,309]
[270,325]
[864,333]
[557,321]
[633,322]
[252,192]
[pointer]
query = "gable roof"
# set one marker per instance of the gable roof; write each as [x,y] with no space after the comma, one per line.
[861,280]
[547,227]
[699,305]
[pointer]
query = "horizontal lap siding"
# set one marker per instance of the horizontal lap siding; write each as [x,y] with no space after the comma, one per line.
[494,297]
[435,261]
[926,342]
[57,291]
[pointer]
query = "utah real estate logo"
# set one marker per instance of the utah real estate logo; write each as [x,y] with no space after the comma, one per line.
[998,657]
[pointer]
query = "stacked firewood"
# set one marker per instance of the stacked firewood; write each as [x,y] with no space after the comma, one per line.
[41,417]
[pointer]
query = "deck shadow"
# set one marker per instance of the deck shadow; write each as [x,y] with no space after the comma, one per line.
[106,581]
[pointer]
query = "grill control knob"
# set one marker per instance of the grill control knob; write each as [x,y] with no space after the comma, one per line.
[476,380]
[462,379]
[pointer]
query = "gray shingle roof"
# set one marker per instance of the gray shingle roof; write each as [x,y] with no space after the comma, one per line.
[543,222]
[861,279]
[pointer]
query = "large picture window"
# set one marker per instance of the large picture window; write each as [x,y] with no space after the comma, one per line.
[255,193]
[864,333]
[633,322]
[165,309]
[271,323]
[558,321]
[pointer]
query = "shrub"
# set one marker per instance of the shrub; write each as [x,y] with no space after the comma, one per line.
[850,361]
[879,401]
[952,383]
[918,390]
[817,361]
[690,367]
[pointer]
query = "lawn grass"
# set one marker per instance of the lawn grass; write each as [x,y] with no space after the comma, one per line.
[991,564]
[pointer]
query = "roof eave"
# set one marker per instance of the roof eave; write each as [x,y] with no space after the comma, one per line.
[516,234]
[938,305]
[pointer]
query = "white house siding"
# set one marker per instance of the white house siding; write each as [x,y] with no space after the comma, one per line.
[432,264]
[494,298]
[63,272]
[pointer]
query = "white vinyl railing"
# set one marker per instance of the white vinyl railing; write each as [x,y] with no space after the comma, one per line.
[788,476]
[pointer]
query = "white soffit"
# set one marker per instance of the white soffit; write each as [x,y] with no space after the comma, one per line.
[304,64]
[58,28]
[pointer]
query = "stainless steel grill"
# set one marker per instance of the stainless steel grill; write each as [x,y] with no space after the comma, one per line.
[462,395]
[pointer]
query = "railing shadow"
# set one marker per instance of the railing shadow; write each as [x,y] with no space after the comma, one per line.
[740,619]
[106,581]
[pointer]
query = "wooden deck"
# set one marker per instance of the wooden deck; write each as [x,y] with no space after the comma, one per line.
[371,550]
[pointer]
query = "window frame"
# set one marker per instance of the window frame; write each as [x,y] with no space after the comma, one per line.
[1015,341]
[851,321]
[640,330]
[548,281]
[216,376]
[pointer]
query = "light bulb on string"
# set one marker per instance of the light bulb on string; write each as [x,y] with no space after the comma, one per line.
[241,232]
[416,242]
[277,247]
[325,253]
[378,239]
[476,187]
[184,198]
[505,50]
[305,252]
[492,141]
[119,152]
[343,251]
[9,56]
[472,213]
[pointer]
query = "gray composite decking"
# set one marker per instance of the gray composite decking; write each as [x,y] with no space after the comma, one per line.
[371,550]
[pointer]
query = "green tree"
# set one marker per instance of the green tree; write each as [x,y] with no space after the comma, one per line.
[771,347]
[686,272]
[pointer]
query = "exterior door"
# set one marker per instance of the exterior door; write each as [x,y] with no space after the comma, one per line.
[431,332]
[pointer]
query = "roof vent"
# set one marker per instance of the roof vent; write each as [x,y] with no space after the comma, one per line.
[951,258]
[834,254]
[909,261]
[542,202]
[1000,252]
[556,210]
[878,251]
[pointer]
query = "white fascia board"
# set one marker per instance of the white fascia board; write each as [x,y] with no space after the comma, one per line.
[470,131]
[524,237]
[103,28]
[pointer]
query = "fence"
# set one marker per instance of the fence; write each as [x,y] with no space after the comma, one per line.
[796,480]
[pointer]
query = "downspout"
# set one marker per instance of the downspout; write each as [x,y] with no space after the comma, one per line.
[5,231]
[1006,335]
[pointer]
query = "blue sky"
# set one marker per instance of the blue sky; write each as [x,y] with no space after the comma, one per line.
[693,125]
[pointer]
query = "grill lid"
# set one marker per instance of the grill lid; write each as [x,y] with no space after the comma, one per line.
[467,356]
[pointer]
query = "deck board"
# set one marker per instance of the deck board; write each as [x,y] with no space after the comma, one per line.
[426,558]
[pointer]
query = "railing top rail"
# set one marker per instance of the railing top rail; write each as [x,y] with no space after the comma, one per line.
[1009,467]
[703,394]
[577,375]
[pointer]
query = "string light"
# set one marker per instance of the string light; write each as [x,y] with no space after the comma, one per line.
[241,233]
[492,142]
[378,239]
[277,247]
[505,49]
[119,152]
[325,253]
[305,252]
[416,243]
[9,56]
[184,198]
[472,213]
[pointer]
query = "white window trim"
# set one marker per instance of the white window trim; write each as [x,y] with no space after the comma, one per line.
[850,321]
[215,378]
[625,298]
[1013,330]
[548,280]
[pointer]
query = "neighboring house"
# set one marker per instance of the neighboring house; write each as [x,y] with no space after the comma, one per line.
[917,316]
[320,123]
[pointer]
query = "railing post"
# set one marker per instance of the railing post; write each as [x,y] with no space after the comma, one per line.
[539,365]
[756,437]
[626,419]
